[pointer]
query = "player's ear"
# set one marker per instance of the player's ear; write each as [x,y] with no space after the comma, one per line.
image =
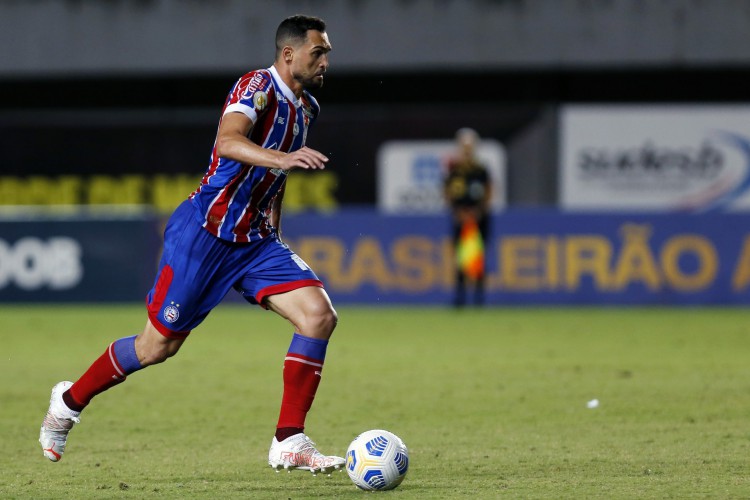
[287,54]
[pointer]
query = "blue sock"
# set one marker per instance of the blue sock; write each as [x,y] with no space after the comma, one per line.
[309,347]
[124,350]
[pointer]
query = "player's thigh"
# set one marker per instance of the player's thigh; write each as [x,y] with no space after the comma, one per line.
[308,308]
[196,271]
[272,269]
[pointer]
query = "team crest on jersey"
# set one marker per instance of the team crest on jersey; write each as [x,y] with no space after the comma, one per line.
[171,313]
[295,129]
[260,100]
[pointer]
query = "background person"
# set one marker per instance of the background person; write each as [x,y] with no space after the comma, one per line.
[468,193]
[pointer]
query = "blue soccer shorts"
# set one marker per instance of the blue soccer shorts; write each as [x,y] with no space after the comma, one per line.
[197,270]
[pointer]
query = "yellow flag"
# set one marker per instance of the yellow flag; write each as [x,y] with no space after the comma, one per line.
[470,252]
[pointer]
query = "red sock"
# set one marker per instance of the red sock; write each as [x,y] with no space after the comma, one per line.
[110,369]
[302,371]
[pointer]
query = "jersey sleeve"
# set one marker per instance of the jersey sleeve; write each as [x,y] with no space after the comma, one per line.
[250,95]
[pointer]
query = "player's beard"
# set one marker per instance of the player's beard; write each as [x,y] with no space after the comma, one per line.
[310,83]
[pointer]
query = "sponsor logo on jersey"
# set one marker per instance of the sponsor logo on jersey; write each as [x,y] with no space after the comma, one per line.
[254,84]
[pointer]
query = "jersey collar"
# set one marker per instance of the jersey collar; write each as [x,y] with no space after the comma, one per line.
[284,89]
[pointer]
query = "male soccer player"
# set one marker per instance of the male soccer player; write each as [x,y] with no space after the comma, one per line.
[226,235]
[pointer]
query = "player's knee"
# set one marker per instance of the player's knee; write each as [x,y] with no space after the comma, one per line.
[331,320]
[320,321]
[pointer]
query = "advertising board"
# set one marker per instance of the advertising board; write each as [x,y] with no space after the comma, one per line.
[655,158]
[533,258]
[82,259]
[410,174]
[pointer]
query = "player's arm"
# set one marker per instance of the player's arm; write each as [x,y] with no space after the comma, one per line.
[232,142]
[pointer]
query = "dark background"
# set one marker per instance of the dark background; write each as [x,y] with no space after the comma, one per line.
[136,86]
[167,123]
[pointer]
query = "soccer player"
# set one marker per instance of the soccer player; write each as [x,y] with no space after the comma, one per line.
[226,235]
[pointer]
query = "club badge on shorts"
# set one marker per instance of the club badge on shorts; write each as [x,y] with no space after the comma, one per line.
[171,313]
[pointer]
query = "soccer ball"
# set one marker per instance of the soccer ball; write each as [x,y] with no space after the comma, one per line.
[377,460]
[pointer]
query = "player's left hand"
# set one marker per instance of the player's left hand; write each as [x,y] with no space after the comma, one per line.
[304,157]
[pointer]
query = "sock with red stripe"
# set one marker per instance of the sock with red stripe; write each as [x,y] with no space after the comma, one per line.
[110,369]
[302,371]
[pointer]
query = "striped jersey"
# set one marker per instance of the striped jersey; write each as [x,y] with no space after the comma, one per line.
[234,200]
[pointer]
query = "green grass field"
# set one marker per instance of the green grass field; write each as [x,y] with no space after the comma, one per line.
[491,403]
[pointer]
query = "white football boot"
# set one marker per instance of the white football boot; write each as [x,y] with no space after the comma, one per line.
[57,423]
[299,452]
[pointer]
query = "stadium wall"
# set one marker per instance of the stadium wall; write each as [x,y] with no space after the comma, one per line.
[533,257]
[47,37]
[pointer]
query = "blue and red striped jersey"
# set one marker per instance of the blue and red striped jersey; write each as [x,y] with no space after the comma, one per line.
[234,200]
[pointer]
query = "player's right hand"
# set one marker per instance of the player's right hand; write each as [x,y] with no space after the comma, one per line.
[306,158]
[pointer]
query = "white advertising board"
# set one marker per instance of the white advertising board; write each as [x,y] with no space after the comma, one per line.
[410,175]
[655,158]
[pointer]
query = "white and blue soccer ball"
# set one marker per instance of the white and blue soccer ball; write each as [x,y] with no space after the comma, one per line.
[377,460]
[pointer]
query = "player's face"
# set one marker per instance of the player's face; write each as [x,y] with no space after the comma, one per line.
[311,60]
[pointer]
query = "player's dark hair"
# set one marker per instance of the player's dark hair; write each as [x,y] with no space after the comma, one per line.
[293,30]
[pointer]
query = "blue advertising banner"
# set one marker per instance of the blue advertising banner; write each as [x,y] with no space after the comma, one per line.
[77,259]
[535,257]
